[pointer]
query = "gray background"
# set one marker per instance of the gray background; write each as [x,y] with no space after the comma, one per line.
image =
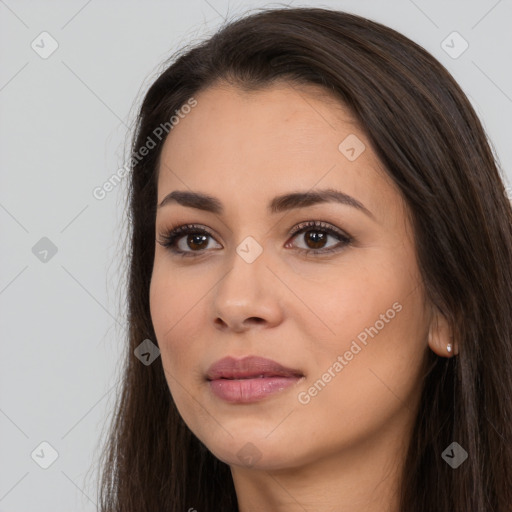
[63,128]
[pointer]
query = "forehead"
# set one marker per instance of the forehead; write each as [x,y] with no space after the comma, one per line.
[270,141]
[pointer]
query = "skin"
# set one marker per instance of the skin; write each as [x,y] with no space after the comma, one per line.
[343,449]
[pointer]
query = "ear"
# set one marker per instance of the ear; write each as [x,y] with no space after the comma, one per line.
[440,335]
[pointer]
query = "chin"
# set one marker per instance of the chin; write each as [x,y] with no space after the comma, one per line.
[252,449]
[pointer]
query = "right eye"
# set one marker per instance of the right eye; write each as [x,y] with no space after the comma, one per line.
[194,237]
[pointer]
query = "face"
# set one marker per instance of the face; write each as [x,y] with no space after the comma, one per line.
[328,287]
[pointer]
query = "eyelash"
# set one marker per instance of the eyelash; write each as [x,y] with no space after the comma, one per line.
[168,239]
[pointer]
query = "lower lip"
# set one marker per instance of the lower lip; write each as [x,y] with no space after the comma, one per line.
[250,390]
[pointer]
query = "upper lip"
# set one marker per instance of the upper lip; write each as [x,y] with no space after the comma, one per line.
[250,366]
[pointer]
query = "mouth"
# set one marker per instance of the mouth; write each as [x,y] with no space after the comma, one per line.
[249,379]
[251,367]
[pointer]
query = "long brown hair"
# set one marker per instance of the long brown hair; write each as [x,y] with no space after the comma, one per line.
[432,144]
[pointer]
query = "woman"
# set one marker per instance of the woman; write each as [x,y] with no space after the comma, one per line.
[321,249]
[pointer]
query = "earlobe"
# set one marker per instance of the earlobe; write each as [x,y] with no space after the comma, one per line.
[440,336]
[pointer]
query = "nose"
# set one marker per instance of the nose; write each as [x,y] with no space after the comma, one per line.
[247,296]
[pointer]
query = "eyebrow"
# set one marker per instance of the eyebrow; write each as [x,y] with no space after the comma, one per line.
[279,204]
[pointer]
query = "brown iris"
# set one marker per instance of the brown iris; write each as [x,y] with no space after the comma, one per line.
[317,238]
[197,241]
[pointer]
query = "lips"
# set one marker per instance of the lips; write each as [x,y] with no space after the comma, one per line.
[249,380]
[250,367]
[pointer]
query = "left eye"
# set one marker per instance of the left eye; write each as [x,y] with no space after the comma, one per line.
[316,235]
[314,238]
[196,238]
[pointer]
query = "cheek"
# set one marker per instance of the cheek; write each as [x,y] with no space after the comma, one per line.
[175,321]
[376,355]
[172,295]
[374,386]
[168,310]
[178,316]
[375,321]
[340,302]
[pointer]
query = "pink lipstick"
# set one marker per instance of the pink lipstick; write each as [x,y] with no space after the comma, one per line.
[249,379]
